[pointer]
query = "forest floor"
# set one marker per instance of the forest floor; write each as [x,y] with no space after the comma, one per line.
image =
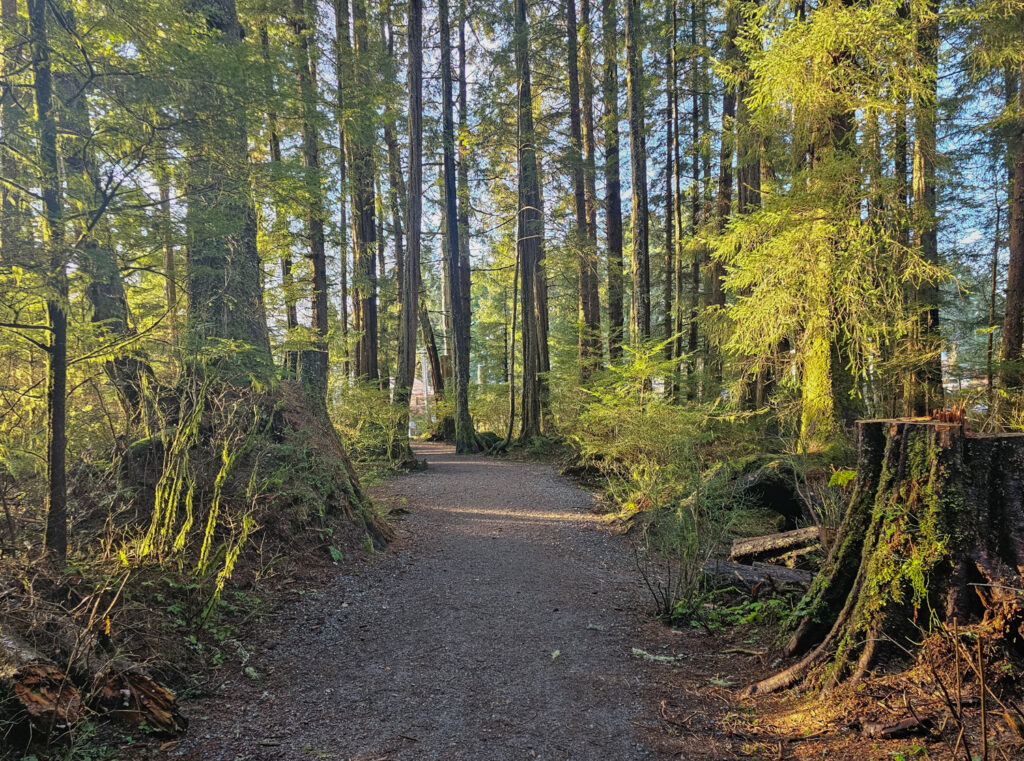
[500,624]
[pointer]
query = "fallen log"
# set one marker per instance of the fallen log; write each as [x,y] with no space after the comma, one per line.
[117,687]
[755,548]
[36,696]
[934,533]
[757,573]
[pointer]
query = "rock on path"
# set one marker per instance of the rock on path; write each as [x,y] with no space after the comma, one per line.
[498,626]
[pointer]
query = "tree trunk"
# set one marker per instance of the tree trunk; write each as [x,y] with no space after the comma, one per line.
[640,310]
[590,176]
[313,361]
[1012,374]
[280,230]
[10,120]
[342,57]
[933,531]
[462,154]
[693,333]
[613,187]
[433,356]
[530,234]
[362,132]
[671,200]
[126,370]
[465,436]
[409,273]
[223,273]
[927,382]
[589,328]
[53,240]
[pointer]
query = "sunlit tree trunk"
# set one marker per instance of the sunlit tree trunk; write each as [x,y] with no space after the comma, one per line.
[669,273]
[530,232]
[10,119]
[462,154]
[126,369]
[280,220]
[640,310]
[465,436]
[927,383]
[613,187]
[409,273]
[223,273]
[362,132]
[588,340]
[1011,375]
[590,175]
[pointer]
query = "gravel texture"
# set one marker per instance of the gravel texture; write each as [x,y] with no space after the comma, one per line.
[499,625]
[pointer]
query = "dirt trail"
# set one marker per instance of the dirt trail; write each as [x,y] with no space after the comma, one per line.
[498,626]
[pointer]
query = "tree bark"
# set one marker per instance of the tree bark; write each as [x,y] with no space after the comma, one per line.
[640,310]
[10,120]
[933,531]
[409,274]
[589,327]
[530,235]
[927,382]
[313,361]
[590,175]
[127,370]
[671,200]
[1011,373]
[360,158]
[613,186]
[223,272]
[34,690]
[465,435]
[280,222]
[342,57]
[56,275]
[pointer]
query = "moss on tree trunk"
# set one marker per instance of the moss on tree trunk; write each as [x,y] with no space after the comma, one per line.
[934,531]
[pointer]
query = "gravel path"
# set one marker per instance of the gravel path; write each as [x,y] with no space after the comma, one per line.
[498,626]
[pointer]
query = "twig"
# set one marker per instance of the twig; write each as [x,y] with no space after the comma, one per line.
[984,725]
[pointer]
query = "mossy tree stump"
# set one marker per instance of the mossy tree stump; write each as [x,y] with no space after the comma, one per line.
[934,531]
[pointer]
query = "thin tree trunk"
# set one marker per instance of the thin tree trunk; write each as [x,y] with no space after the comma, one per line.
[363,134]
[693,336]
[589,341]
[163,178]
[343,56]
[928,381]
[280,222]
[433,356]
[409,273]
[530,232]
[640,311]
[465,273]
[590,173]
[613,187]
[125,369]
[465,436]
[1011,374]
[669,273]
[53,238]
[313,361]
[724,201]
[10,118]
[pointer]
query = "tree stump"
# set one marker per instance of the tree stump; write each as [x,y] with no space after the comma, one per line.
[934,531]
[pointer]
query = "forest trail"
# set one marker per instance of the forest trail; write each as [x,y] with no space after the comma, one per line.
[444,646]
